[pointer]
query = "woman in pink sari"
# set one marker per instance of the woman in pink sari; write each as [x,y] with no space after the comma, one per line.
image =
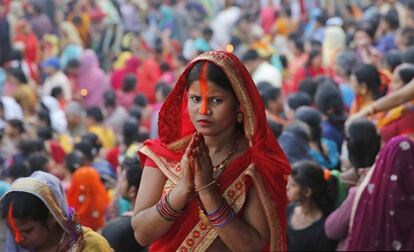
[91,80]
[382,214]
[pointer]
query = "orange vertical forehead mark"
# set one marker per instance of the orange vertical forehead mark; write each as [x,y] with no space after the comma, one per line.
[204,91]
[17,235]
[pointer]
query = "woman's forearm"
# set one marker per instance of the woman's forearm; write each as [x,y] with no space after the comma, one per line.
[149,225]
[237,235]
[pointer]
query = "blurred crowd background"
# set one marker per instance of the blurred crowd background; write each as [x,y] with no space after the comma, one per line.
[82,82]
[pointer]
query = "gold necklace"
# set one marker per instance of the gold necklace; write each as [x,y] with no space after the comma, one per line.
[218,169]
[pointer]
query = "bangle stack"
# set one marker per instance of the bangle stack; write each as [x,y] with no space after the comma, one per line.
[223,215]
[165,210]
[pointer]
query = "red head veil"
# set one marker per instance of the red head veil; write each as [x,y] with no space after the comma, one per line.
[175,129]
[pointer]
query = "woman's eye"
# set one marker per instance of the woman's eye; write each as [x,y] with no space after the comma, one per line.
[195,99]
[216,100]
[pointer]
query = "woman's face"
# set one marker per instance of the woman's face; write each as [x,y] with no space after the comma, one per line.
[34,234]
[294,192]
[221,109]
[362,39]
[317,62]
[356,86]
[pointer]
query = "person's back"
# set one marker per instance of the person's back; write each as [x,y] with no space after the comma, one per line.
[120,235]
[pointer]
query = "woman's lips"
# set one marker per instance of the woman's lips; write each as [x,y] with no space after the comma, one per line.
[203,123]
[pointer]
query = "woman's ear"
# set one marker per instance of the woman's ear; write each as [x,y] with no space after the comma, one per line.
[307,192]
[51,221]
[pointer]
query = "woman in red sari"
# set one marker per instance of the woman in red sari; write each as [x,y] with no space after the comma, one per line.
[216,177]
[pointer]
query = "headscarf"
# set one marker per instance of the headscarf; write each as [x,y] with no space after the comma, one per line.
[334,41]
[88,196]
[49,190]
[92,79]
[271,163]
[382,214]
[71,36]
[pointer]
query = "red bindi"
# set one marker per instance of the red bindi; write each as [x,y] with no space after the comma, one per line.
[204,91]
[17,234]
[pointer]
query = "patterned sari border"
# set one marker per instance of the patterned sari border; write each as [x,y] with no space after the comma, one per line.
[276,232]
[162,163]
[203,234]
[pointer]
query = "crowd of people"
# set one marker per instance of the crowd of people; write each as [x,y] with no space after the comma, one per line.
[304,113]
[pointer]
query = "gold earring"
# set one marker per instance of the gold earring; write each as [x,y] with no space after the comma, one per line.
[240,117]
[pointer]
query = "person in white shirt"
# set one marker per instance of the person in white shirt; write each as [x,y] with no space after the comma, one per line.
[55,78]
[261,70]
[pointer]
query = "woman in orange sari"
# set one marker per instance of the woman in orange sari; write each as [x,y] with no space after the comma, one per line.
[216,177]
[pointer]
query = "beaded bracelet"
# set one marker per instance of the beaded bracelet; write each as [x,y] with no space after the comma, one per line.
[165,210]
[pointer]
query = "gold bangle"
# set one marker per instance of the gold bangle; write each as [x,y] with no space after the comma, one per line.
[204,187]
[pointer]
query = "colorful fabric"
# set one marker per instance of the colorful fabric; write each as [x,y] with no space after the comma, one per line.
[88,196]
[49,189]
[382,211]
[91,78]
[264,164]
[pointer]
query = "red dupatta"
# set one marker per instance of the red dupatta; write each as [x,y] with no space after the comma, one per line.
[264,163]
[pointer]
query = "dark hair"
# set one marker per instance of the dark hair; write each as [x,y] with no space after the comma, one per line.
[368,74]
[406,74]
[43,115]
[95,113]
[132,165]
[407,34]
[312,117]
[72,64]
[45,133]
[109,98]
[250,55]
[363,143]
[86,149]
[312,55]
[130,131]
[328,100]
[165,67]
[263,86]
[129,83]
[346,60]
[141,100]
[207,31]
[408,56]
[270,94]
[38,162]
[298,99]
[135,112]
[29,146]
[17,124]
[18,74]
[73,161]
[164,88]
[56,92]
[275,128]
[300,129]
[324,192]
[321,18]
[25,206]
[393,58]
[93,140]
[18,170]
[214,74]
[309,86]
[297,41]
[367,27]
[391,18]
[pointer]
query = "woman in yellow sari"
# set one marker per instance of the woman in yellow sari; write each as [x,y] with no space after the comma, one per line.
[39,219]
[216,177]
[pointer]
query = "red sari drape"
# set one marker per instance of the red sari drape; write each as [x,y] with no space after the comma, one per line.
[264,165]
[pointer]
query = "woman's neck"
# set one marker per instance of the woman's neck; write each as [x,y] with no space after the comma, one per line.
[309,209]
[221,142]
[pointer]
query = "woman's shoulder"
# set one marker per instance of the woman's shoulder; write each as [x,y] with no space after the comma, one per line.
[93,241]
